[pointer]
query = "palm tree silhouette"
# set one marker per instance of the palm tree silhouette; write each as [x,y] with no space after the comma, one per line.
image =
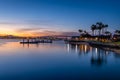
[80,31]
[105,26]
[107,33]
[117,32]
[93,28]
[99,27]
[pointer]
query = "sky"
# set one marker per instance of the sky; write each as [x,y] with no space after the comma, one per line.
[56,17]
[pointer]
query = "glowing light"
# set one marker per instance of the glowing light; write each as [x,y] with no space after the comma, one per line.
[85,48]
[96,50]
[86,38]
[68,47]
[96,38]
[76,48]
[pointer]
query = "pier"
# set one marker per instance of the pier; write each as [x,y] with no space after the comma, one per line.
[35,41]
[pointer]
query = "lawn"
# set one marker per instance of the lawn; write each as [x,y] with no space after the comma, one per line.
[117,42]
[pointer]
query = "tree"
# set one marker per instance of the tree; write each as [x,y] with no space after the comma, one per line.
[117,32]
[107,33]
[99,29]
[105,26]
[100,26]
[85,32]
[93,28]
[80,31]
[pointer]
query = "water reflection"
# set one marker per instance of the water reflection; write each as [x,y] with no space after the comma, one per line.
[28,45]
[57,60]
[79,48]
[98,56]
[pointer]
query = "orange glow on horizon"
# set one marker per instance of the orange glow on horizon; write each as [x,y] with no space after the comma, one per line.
[6,31]
[22,34]
[25,34]
[25,31]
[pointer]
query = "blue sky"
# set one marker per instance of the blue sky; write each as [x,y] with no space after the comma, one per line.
[58,15]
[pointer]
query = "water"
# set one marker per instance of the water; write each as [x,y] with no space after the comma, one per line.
[56,61]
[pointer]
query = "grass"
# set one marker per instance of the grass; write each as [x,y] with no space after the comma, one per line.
[109,42]
[116,42]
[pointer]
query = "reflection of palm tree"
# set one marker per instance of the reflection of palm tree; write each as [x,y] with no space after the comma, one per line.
[117,56]
[99,59]
[83,49]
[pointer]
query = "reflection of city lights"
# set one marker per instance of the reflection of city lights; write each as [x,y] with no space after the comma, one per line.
[68,47]
[90,49]
[106,52]
[85,48]
[82,47]
[76,48]
[96,50]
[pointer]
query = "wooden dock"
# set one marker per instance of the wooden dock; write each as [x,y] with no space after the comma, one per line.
[35,41]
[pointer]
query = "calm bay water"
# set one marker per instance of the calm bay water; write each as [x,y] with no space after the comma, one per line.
[56,61]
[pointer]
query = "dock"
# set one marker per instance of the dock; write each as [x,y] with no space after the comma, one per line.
[35,41]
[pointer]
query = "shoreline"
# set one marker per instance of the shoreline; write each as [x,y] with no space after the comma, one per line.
[105,46]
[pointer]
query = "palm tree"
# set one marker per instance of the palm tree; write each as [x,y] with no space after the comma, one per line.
[105,26]
[117,32]
[93,28]
[85,32]
[107,33]
[99,27]
[80,31]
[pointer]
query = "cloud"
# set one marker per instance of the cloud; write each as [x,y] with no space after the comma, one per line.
[6,23]
[28,22]
[70,33]
[28,29]
[55,33]
[46,33]
[37,28]
[11,23]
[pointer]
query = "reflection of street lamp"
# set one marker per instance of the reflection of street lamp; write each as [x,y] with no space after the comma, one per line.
[68,47]
[91,49]
[96,50]
[99,58]
[106,52]
[85,48]
[76,48]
